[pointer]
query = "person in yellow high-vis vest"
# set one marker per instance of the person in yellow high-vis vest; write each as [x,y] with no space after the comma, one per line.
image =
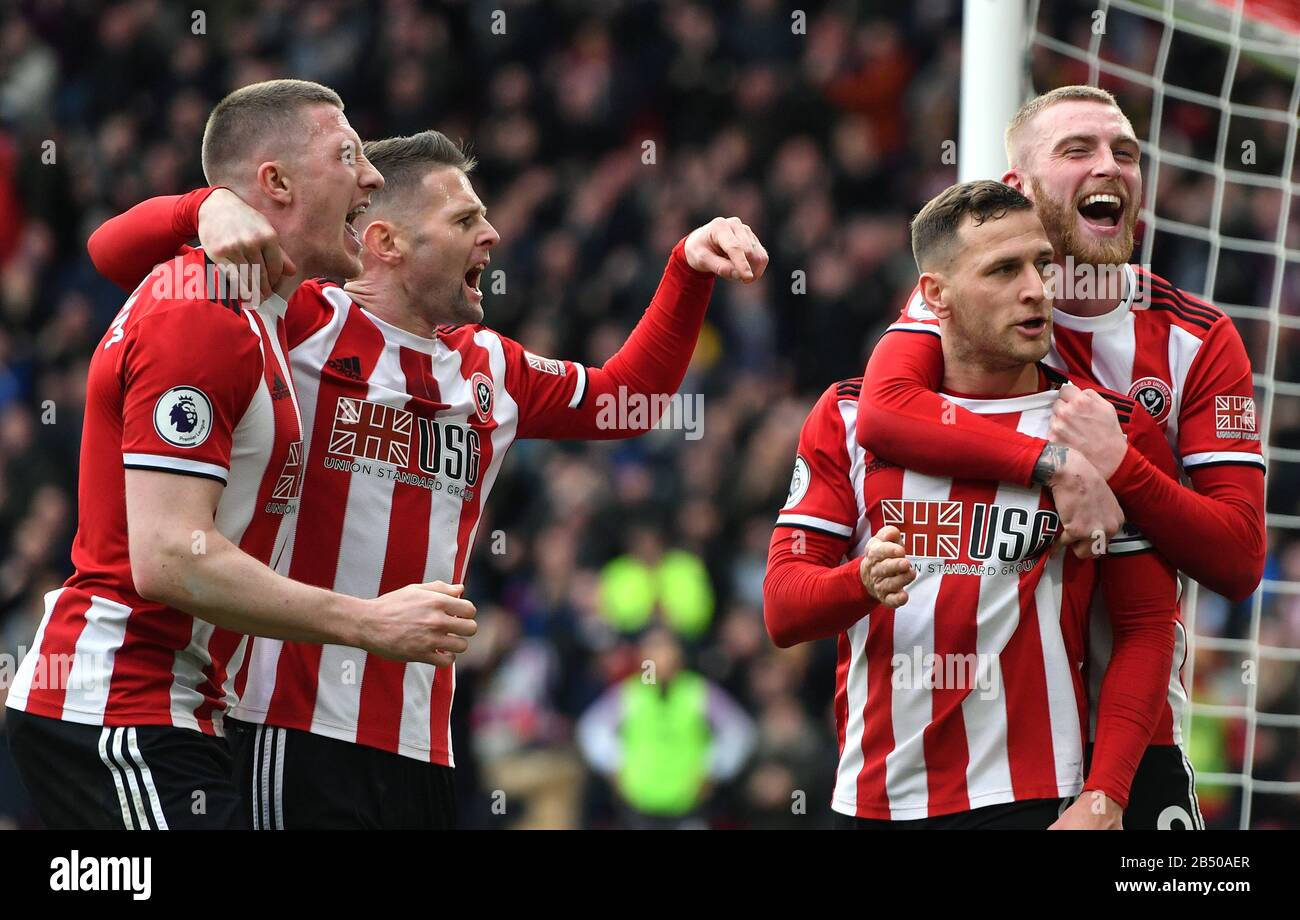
[664,735]
[655,582]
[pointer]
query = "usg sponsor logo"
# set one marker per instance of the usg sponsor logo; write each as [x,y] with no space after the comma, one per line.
[991,533]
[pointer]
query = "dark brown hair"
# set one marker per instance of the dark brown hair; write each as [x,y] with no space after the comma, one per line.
[935,227]
[405,161]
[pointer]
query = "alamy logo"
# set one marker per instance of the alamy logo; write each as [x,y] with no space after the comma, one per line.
[625,411]
[103,873]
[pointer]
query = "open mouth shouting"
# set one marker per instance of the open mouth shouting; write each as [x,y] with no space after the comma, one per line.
[472,278]
[1102,213]
[349,225]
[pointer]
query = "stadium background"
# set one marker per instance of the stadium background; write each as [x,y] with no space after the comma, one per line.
[825,143]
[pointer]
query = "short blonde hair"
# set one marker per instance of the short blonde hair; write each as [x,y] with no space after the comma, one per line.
[271,109]
[1030,109]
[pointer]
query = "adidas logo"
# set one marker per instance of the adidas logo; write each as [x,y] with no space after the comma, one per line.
[348,367]
[878,464]
[280,390]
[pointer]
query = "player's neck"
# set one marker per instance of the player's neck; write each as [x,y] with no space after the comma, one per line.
[386,299]
[1108,282]
[288,285]
[970,378]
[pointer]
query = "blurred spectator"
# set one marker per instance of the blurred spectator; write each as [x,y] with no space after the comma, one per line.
[664,736]
[648,579]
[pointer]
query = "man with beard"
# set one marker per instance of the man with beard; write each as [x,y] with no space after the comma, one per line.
[1073,152]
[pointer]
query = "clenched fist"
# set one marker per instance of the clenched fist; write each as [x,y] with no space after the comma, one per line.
[885,569]
[1089,513]
[431,622]
[726,247]
[1084,421]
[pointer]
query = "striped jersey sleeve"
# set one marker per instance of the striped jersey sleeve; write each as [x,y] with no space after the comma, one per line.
[821,489]
[551,393]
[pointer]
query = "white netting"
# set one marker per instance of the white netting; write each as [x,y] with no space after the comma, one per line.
[1213,89]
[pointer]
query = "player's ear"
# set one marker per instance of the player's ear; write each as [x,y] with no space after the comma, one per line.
[1014,178]
[931,285]
[379,238]
[273,181]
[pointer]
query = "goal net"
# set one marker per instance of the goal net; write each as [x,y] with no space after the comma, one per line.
[1213,90]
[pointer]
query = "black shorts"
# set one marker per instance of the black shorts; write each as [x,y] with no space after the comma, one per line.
[1029,815]
[145,777]
[292,780]
[1163,794]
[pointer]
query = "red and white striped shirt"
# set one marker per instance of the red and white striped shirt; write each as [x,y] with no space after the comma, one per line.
[1183,361]
[186,386]
[971,694]
[405,436]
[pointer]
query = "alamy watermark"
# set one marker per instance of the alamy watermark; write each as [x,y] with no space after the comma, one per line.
[624,411]
[85,672]
[920,670]
[76,872]
[188,280]
[1073,280]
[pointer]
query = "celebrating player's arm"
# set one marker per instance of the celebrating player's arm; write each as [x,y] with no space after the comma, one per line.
[812,589]
[174,487]
[1140,587]
[564,399]
[169,516]
[559,399]
[1216,437]
[232,234]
